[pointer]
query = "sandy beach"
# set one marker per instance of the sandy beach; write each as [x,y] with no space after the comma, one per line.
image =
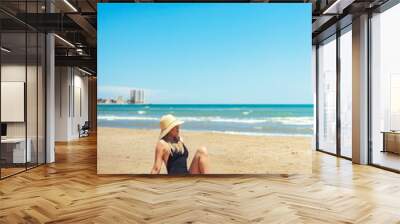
[131,151]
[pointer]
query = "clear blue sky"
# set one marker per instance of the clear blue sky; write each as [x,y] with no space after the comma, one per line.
[206,53]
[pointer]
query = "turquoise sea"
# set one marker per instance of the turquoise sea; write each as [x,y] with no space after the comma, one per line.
[248,119]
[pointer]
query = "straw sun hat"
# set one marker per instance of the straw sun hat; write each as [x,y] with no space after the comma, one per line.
[167,123]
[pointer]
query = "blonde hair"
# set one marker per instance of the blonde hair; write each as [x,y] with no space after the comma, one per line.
[175,146]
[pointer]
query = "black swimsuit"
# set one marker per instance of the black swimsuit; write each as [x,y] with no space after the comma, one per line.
[176,163]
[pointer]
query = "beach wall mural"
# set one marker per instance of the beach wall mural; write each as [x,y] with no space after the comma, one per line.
[215,88]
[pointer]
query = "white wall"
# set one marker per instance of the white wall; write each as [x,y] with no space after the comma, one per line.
[62,82]
[12,73]
[71,87]
[81,114]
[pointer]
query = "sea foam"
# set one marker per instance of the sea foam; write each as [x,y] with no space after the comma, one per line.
[281,120]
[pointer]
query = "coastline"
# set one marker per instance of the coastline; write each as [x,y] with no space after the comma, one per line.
[131,151]
[239,119]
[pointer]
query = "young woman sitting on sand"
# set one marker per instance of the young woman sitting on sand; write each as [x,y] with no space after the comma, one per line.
[171,150]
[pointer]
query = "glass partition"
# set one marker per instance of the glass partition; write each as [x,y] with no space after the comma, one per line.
[385,89]
[14,153]
[23,90]
[346,93]
[327,95]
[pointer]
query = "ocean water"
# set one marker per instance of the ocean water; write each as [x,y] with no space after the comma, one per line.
[267,119]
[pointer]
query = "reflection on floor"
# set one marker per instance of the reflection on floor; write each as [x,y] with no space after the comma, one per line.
[70,191]
[10,169]
[387,159]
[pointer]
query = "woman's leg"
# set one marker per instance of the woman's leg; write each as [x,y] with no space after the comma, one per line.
[200,162]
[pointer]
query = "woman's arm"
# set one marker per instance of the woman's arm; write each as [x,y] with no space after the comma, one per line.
[158,160]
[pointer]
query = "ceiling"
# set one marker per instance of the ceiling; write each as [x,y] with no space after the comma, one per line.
[73,21]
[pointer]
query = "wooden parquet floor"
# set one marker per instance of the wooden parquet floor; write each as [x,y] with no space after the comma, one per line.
[69,191]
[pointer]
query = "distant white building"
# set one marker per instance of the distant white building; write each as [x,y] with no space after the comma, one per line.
[108,101]
[120,100]
[137,96]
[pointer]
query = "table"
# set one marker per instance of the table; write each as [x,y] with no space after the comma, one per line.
[19,155]
[391,141]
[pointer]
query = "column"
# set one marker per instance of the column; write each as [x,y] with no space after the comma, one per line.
[360,90]
[50,98]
